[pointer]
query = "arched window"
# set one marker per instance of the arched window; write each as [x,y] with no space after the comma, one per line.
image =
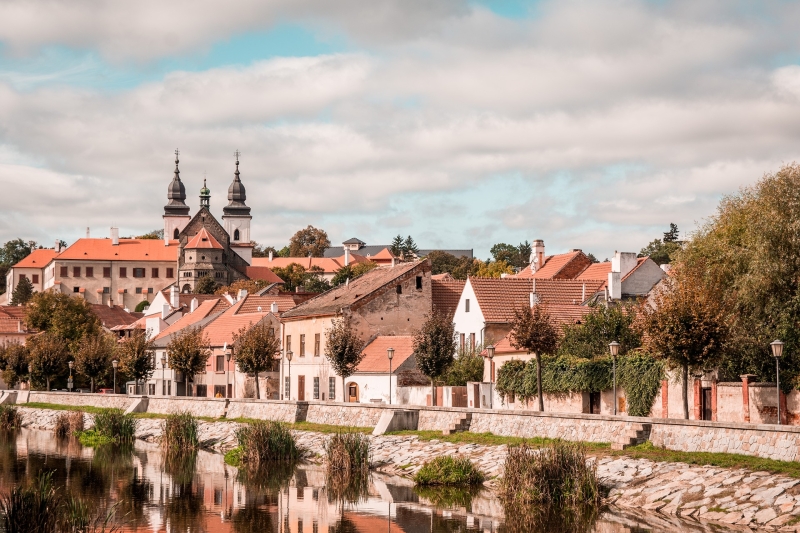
[186,289]
[175,234]
[236,235]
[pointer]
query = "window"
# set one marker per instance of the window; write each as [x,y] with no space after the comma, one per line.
[169,388]
[76,289]
[151,389]
[123,272]
[331,389]
[89,272]
[150,290]
[22,276]
[236,235]
[286,386]
[138,272]
[154,273]
[316,345]
[461,341]
[302,345]
[399,289]
[219,391]
[170,272]
[138,290]
[466,305]
[419,283]
[288,342]
[175,234]
[316,388]
[220,363]
[201,391]
[35,278]
[472,341]
[217,496]
[64,272]
[106,272]
[76,272]
[106,290]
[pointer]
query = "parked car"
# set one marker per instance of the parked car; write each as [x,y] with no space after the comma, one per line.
[105,391]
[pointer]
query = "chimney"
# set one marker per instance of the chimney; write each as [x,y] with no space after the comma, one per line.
[174,297]
[110,302]
[87,232]
[621,265]
[393,261]
[531,300]
[242,294]
[346,256]
[274,308]
[537,259]
[165,309]
[114,236]
[270,256]
[57,247]
[347,283]
[583,293]
[193,305]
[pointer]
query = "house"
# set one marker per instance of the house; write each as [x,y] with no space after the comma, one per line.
[561,266]
[626,275]
[357,246]
[31,268]
[372,380]
[326,266]
[388,300]
[445,293]
[12,325]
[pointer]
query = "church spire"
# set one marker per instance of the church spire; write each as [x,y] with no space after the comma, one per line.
[205,195]
[236,194]
[176,193]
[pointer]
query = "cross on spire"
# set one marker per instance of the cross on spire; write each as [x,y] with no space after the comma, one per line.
[237,153]
[177,153]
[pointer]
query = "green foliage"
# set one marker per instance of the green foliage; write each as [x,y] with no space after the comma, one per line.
[141,306]
[92,439]
[48,354]
[206,285]
[344,348]
[10,417]
[351,272]
[265,441]
[600,327]
[640,374]
[62,315]
[263,251]
[295,275]
[180,433]
[516,256]
[450,471]
[347,452]
[468,366]
[435,345]
[115,425]
[188,352]
[94,355]
[13,362]
[458,267]
[137,357]
[156,234]
[663,251]
[23,292]
[31,508]
[309,241]
[255,348]
[494,269]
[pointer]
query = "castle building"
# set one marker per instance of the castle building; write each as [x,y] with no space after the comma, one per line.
[127,272]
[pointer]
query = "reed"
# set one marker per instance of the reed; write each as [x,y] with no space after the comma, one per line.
[115,425]
[32,508]
[180,433]
[347,452]
[449,471]
[78,516]
[69,423]
[10,417]
[264,441]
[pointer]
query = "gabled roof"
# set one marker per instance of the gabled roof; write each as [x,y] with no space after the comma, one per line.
[639,262]
[563,266]
[37,259]
[597,271]
[383,256]
[566,291]
[185,300]
[114,316]
[354,241]
[446,294]
[252,302]
[262,273]
[12,325]
[204,310]
[13,311]
[345,295]
[329,265]
[375,353]
[126,250]
[222,329]
[203,239]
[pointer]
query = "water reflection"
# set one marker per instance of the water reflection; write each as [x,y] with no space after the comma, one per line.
[199,492]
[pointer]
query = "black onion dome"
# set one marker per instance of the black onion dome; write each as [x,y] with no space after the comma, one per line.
[236,196]
[176,194]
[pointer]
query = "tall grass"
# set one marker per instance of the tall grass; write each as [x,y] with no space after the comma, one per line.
[78,516]
[110,426]
[264,441]
[69,423]
[10,417]
[347,452]
[180,433]
[449,471]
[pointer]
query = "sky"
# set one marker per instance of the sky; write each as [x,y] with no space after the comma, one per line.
[588,124]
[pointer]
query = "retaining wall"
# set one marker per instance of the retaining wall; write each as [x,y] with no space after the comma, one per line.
[264,409]
[344,414]
[578,427]
[211,407]
[438,419]
[118,401]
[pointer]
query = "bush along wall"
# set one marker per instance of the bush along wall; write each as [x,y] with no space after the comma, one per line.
[638,373]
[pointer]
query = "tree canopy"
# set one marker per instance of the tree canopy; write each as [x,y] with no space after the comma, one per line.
[458,267]
[435,345]
[137,356]
[404,248]
[663,251]
[206,285]
[94,355]
[295,275]
[12,253]
[351,272]
[532,329]
[48,355]
[188,352]
[344,348]
[255,348]
[13,362]
[156,234]
[600,327]
[23,292]
[494,269]
[515,256]
[63,315]
[309,241]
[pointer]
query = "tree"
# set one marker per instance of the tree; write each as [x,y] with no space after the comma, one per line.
[468,366]
[23,292]
[310,241]
[410,248]
[263,251]
[12,253]
[533,330]
[206,285]
[397,246]
[344,348]
[685,325]
[255,348]
[494,269]
[458,267]
[13,362]
[351,272]
[68,318]
[672,234]
[137,356]
[504,252]
[592,258]
[250,285]
[94,355]
[48,354]
[314,281]
[434,346]
[293,275]
[188,352]
[598,329]
[156,234]
[663,251]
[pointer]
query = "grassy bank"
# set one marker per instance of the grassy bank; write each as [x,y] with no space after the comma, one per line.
[489,439]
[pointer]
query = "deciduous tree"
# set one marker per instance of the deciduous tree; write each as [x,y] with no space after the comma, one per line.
[206,285]
[665,250]
[94,355]
[494,269]
[532,329]
[600,327]
[68,318]
[48,354]
[255,348]
[309,241]
[14,360]
[344,348]
[137,356]
[188,352]
[435,346]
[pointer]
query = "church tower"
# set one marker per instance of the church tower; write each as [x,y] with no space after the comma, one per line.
[176,212]
[236,218]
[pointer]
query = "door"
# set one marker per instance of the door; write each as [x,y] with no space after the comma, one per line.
[594,403]
[705,404]
[352,393]
[301,388]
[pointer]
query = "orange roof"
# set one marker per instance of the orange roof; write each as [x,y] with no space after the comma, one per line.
[384,256]
[328,264]
[203,310]
[252,302]
[568,314]
[126,250]
[185,300]
[443,277]
[446,294]
[114,316]
[553,265]
[222,329]
[262,273]
[13,311]
[12,325]
[37,259]
[375,353]
[203,239]
[598,271]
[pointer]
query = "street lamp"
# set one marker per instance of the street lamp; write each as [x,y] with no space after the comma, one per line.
[228,369]
[30,376]
[614,347]
[163,379]
[288,390]
[114,363]
[490,353]
[777,352]
[390,355]
[69,382]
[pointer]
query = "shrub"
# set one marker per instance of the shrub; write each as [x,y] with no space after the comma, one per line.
[180,432]
[110,426]
[347,452]
[448,470]
[10,417]
[556,475]
[264,441]
[69,423]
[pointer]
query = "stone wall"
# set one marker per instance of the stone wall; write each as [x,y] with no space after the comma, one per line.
[438,419]
[343,414]
[211,407]
[118,401]
[264,410]
[577,427]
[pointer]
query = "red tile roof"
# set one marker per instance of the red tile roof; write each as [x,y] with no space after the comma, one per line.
[185,300]
[203,239]
[126,250]
[384,256]
[328,264]
[375,353]
[13,311]
[113,316]
[37,259]
[262,273]
[446,294]
[205,309]
[12,325]
[561,266]
[443,277]
[222,329]
[598,271]
[252,302]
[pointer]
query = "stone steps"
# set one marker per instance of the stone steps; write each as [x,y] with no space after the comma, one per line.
[464,421]
[633,435]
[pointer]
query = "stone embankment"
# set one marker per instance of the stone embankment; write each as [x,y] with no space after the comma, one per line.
[739,500]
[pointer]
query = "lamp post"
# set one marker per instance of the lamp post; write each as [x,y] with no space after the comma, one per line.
[30,376]
[390,355]
[114,363]
[163,379]
[614,347]
[777,352]
[228,368]
[288,390]
[490,353]
[69,381]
